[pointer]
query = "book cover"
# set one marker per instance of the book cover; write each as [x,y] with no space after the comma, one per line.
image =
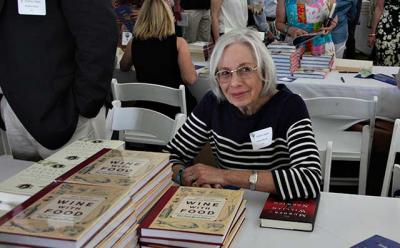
[193,214]
[238,221]
[34,178]
[62,215]
[293,215]
[119,168]
[377,241]
[40,174]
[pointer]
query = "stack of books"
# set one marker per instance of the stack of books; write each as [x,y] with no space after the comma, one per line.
[201,50]
[29,181]
[193,217]
[92,204]
[285,57]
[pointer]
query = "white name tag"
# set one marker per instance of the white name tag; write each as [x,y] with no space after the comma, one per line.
[261,138]
[126,36]
[32,7]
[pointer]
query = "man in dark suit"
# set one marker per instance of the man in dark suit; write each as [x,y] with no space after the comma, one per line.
[56,63]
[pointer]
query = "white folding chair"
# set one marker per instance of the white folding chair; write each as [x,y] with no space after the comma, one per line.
[326,163]
[150,92]
[141,125]
[331,116]
[394,148]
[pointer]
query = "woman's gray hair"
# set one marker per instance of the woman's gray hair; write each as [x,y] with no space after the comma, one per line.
[259,51]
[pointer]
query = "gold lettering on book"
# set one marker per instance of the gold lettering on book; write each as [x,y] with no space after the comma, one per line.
[119,167]
[68,208]
[197,207]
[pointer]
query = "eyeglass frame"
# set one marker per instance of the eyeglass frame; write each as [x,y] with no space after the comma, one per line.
[253,68]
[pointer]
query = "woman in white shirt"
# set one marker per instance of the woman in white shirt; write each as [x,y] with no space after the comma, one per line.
[227,15]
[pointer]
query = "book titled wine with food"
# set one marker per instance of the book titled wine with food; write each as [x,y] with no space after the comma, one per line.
[198,215]
[292,214]
[118,168]
[62,215]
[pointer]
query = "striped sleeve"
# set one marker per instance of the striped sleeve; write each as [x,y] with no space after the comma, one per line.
[303,178]
[188,141]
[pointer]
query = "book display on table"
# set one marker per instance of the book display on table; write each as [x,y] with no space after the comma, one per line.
[200,50]
[118,168]
[195,216]
[62,215]
[292,215]
[38,175]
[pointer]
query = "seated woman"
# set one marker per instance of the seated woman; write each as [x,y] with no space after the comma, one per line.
[299,17]
[158,55]
[260,133]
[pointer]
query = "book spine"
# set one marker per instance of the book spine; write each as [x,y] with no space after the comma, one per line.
[153,213]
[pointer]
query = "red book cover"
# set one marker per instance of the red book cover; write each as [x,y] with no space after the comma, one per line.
[293,215]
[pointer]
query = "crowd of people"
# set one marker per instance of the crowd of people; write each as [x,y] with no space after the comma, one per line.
[56,84]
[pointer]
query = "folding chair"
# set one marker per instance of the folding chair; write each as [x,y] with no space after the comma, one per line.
[326,163]
[136,91]
[4,146]
[331,116]
[141,125]
[394,148]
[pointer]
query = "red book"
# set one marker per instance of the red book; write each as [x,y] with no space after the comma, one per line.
[292,215]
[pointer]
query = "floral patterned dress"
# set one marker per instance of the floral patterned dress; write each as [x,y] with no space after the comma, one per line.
[388,35]
[309,15]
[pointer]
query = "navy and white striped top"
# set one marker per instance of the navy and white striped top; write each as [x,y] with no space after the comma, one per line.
[292,156]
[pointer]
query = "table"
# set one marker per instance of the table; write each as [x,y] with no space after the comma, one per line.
[388,95]
[342,221]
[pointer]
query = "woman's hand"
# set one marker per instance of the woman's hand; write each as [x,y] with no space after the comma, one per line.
[201,175]
[294,32]
[371,40]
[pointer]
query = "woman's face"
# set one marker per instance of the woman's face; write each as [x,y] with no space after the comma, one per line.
[243,87]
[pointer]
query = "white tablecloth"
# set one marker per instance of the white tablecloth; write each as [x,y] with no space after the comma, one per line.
[388,95]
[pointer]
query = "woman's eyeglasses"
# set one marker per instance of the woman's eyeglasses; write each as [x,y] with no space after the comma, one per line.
[244,71]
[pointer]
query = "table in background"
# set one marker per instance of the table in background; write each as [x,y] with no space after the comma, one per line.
[388,95]
[342,221]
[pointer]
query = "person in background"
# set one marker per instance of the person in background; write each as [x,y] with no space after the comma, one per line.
[226,15]
[299,17]
[55,74]
[258,14]
[345,10]
[158,55]
[199,20]
[350,51]
[385,33]
[260,133]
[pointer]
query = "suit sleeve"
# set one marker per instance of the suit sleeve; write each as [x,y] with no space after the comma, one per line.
[93,26]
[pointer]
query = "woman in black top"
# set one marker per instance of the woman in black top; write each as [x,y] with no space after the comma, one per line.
[158,55]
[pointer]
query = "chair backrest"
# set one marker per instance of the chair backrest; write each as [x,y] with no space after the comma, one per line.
[326,163]
[141,125]
[337,107]
[334,108]
[394,148]
[137,91]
